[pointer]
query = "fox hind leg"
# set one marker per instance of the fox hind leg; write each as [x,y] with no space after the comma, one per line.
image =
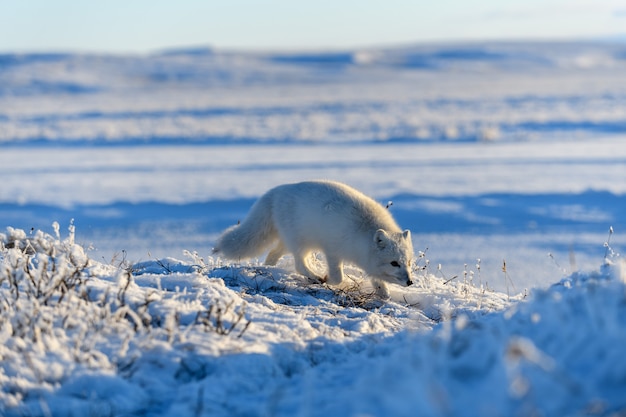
[275,254]
[303,268]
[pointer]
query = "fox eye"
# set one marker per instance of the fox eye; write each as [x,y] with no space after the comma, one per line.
[395,264]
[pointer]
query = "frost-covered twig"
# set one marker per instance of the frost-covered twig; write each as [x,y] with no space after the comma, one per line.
[214,319]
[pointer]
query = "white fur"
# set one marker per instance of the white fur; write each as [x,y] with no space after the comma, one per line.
[326,216]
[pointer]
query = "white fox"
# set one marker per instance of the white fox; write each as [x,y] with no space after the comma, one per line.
[328,216]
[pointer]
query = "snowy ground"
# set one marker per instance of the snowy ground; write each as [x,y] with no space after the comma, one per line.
[501,151]
[195,337]
[491,153]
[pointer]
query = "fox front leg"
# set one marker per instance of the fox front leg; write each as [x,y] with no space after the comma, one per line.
[381,289]
[335,270]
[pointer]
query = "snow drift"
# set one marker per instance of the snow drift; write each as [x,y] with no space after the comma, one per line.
[170,337]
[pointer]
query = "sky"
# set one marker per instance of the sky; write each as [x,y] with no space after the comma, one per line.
[149,25]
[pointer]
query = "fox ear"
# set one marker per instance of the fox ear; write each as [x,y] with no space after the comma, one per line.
[406,234]
[380,238]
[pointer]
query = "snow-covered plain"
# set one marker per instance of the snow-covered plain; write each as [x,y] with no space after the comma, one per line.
[506,160]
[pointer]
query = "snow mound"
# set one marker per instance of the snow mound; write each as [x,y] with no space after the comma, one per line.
[198,337]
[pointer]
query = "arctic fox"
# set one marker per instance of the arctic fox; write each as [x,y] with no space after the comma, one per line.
[326,216]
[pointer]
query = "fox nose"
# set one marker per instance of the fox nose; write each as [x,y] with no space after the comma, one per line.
[409,282]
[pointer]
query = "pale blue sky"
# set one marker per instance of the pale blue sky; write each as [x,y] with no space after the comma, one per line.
[147,25]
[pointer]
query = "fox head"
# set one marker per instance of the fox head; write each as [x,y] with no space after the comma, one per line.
[391,258]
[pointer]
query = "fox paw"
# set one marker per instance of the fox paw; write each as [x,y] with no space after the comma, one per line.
[381,290]
[316,279]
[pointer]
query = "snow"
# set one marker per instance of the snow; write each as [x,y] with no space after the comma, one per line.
[196,337]
[506,161]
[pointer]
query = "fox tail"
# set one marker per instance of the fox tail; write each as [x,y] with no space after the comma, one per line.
[253,236]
